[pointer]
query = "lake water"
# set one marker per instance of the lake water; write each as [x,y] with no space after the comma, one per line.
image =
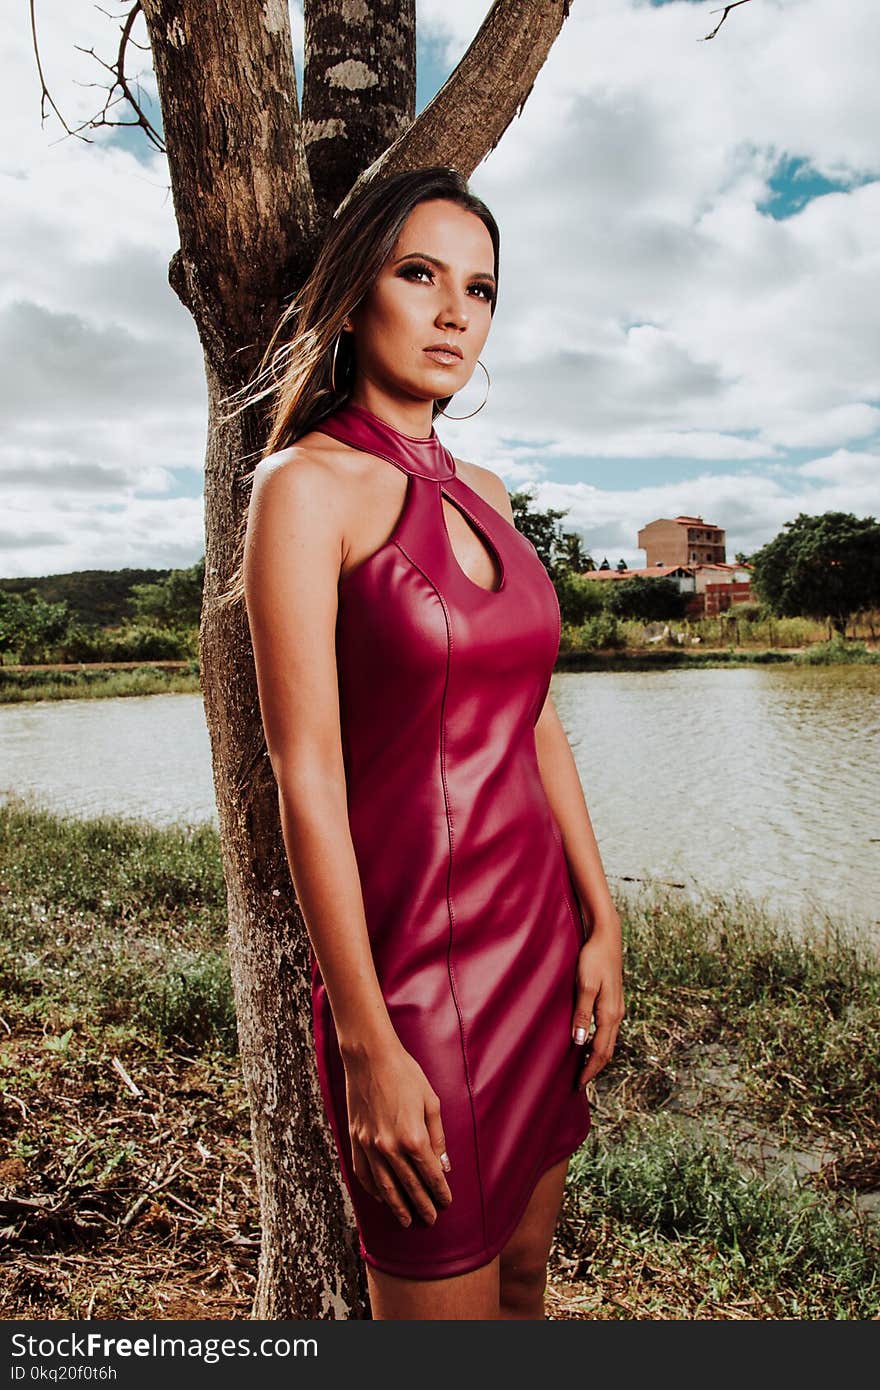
[759,781]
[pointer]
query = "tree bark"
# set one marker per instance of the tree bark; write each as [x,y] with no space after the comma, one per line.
[359,88]
[253,186]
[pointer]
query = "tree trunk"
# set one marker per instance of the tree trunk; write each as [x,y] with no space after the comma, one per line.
[253,187]
[355,107]
[309,1263]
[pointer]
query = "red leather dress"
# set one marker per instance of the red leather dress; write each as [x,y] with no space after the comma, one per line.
[473,920]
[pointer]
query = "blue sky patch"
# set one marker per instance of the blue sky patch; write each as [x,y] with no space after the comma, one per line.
[795,182]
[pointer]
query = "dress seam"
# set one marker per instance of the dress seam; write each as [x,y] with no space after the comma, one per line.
[449,906]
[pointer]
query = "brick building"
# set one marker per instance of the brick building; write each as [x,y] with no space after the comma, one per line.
[682,540]
[692,552]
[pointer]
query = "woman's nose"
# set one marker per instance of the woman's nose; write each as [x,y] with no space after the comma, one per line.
[455,312]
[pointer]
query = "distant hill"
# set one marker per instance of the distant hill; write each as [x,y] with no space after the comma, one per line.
[98,598]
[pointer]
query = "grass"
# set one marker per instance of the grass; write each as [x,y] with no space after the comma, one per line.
[128,1186]
[837,651]
[96,684]
[727,640]
[116,918]
[638,658]
[798,1003]
[123,1197]
[789,641]
[661,1210]
[674,1209]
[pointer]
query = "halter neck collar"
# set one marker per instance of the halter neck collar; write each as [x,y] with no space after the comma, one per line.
[361,429]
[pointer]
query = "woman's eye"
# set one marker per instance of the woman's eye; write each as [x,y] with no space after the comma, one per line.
[409,272]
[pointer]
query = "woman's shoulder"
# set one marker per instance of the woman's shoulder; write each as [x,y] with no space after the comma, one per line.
[488,484]
[314,467]
[311,449]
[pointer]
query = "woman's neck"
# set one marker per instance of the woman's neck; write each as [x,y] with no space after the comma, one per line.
[412,418]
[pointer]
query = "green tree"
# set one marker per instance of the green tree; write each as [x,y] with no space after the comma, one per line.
[573,554]
[651,600]
[825,566]
[579,598]
[14,620]
[560,551]
[29,625]
[175,601]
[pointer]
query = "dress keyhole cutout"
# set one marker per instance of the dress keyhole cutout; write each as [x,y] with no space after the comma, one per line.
[471,549]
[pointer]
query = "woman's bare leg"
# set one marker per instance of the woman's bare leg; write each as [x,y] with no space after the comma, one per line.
[510,1286]
[523,1261]
[473,1295]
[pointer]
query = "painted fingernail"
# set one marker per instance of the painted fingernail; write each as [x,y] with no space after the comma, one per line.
[580,1036]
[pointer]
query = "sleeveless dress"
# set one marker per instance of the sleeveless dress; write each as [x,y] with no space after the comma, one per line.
[473,919]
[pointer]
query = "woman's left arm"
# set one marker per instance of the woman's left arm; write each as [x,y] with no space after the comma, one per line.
[600,963]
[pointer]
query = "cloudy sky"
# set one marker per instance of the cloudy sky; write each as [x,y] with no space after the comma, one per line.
[690,281]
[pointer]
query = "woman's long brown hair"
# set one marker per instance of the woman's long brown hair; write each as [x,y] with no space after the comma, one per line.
[296,367]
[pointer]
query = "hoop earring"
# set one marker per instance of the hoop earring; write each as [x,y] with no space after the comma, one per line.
[333,385]
[482,402]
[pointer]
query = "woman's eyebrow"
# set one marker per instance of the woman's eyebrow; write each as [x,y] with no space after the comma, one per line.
[441,265]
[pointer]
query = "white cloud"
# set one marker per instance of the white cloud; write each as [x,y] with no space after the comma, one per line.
[55,532]
[821,428]
[750,506]
[641,210]
[846,469]
[648,310]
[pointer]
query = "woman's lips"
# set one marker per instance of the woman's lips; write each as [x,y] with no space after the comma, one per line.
[448,359]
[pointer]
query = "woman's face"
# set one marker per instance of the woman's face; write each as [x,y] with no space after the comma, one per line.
[436,287]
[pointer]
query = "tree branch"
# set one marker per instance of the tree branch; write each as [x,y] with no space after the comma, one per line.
[478,101]
[727,9]
[120,80]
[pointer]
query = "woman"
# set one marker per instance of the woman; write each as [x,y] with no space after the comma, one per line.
[404,634]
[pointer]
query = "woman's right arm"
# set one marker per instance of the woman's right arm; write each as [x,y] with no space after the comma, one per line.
[293,553]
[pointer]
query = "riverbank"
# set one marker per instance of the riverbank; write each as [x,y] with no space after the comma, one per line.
[732,1169]
[663,657]
[673,658]
[102,680]
[98,680]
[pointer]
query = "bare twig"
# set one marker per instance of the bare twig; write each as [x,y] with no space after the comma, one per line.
[200,1216]
[16,1100]
[149,1192]
[118,1067]
[727,9]
[634,878]
[120,80]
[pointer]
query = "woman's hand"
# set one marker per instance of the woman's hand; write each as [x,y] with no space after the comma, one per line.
[599,994]
[396,1134]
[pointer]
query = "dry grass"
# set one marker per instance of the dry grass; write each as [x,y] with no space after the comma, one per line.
[123,1205]
[126,1182]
